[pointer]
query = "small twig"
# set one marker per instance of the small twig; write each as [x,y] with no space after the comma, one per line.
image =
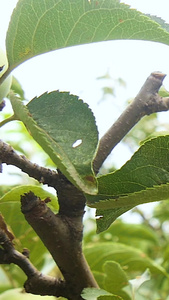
[43,175]
[10,255]
[146,102]
[144,218]
[36,283]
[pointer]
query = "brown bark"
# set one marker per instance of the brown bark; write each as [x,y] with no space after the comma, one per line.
[62,235]
[145,103]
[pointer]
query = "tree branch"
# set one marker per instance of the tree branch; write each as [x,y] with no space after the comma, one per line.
[43,175]
[62,236]
[145,103]
[36,283]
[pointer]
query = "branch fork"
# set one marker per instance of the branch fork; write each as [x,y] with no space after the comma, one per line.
[145,103]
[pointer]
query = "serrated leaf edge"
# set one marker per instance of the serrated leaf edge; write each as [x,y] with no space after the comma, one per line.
[120,201]
[22,113]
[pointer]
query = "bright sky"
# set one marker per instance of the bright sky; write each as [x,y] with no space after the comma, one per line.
[76,69]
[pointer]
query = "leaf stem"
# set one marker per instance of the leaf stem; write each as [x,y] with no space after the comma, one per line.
[145,103]
[7,120]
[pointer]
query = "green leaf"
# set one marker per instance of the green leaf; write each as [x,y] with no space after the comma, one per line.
[17,88]
[105,217]
[15,193]
[147,168]
[40,26]
[57,121]
[160,21]
[114,210]
[19,294]
[25,237]
[163,92]
[157,193]
[160,212]
[110,297]
[116,279]
[139,235]
[24,234]
[131,259]
[144,178]
[93,293]
[99,277]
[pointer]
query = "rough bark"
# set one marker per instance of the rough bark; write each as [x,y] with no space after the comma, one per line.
[146,102]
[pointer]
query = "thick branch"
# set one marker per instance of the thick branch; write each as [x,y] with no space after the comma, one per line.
[62,236]
[43,175]
[61,233]
[146,102]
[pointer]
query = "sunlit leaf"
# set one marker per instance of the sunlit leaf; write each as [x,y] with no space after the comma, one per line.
[163,92]
[19,294]
[25,237]
[93,293]
[17,88]
[13,195]
[110,297]
[41,26]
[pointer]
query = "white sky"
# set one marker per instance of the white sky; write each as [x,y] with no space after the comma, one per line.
[76,69]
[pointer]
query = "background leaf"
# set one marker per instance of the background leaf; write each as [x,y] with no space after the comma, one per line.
[10,208]
[19,294]
[15,193]
[151,237]
[57,121]
[130,258]
[115,279]
[93,293]
[41,26]
[110,297]
[139,236]
[25,237]
[17,88]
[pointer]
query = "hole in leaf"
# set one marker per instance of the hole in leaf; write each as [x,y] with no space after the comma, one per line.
[98,217]
[77,143]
